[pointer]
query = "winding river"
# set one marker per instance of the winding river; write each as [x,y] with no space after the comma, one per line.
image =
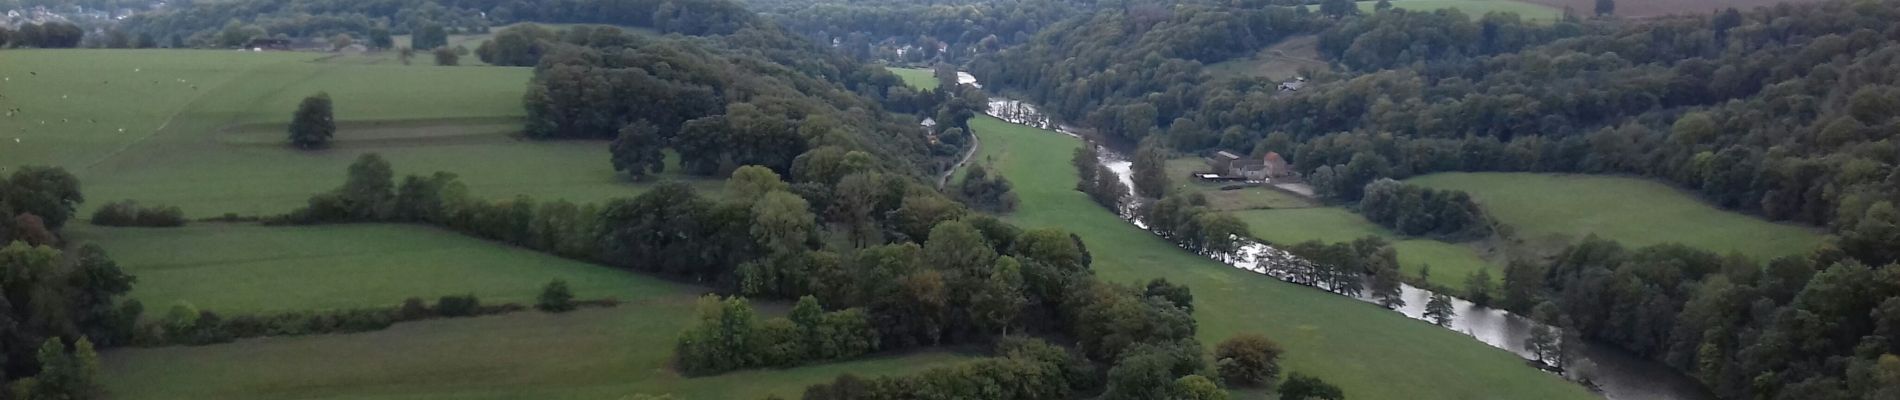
[1616,374]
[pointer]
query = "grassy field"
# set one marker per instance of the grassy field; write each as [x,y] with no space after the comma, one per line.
[1281,61]
[1450,263]
[922,78]
[201,129]
[588,354]
[1559,209]
[1371,353]
[241,268]
[1478,8]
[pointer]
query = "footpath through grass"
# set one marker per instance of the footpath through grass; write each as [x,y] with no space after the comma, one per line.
[1559,209]
[1370,352]
[203,130]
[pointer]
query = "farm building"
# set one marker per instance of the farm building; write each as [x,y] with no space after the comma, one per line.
[1223,165]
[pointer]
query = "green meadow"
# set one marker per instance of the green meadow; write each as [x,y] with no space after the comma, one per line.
[1547,209]
[203,130]
[922,78]
[1370,352]
[275,269]
[1474,8]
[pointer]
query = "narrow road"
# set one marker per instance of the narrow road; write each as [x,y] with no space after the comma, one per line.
[944,180]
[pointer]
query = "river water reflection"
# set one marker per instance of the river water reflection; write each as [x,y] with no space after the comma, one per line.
[1616,374]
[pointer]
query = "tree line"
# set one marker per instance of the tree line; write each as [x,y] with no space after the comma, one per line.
[50,35]
[952,32]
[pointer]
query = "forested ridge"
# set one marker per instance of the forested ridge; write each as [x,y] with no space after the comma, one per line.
[1784,112]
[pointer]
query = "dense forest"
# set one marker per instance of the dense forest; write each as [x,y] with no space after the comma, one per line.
[1784,111]
[952,32]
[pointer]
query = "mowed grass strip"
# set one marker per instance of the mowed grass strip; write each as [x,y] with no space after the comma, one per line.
[245,268]
[607,353]
[1474,8]
[1370,352]
[1553,208]
[921,78]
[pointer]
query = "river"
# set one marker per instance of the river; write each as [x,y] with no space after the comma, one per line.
[1616,374]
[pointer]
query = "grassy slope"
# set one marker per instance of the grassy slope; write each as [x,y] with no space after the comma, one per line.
[1476,8]
[339,266]
[1561,208]
[211,144]
[922,78]
[1371,353]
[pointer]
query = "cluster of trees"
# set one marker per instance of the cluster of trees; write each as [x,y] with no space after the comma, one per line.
[129,213]
[756,97]
[729,336]
[50,35]
[35,202]
[1804,327]
[52,297]
[1186,220]
[922,269]
[985,192]
[1417,211]
[1099,182]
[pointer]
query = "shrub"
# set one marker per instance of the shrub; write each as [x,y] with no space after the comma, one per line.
[458,306]
[555,298]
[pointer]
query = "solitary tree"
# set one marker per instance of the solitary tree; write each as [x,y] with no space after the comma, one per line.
[447,57]
[314,123]
[379,38]
[1248,359]
[1606,7]
[1478,288]
[1439,309]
